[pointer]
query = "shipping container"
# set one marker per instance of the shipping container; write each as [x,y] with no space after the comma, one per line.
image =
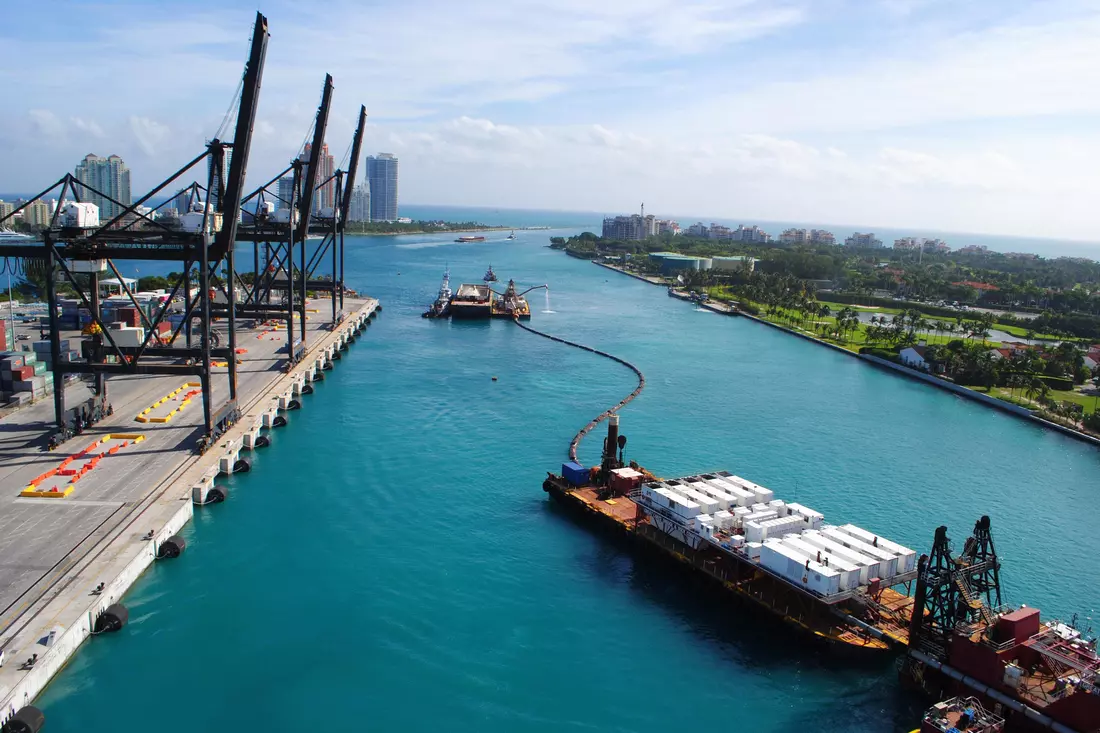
[869,566]
[678,504]
[888,560]
[743,496]
[707,504]
[723,520]
[574,473]
[907,559]
[779,506]
[850,573]
[752,549]
[799,568]
[813,519]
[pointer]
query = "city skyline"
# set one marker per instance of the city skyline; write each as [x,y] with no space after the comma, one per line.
[913,113]
[108,178]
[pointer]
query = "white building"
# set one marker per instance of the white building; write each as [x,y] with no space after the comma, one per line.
[913,356]
[359,210]
[698,229]
[863,241]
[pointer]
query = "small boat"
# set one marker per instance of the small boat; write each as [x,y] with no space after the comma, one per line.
[442,305]
[512,235]
[490,276]
[470,239]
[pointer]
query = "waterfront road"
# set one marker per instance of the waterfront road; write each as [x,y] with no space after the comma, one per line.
[41,538]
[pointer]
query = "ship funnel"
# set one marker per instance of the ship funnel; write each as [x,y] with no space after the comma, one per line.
[609,445]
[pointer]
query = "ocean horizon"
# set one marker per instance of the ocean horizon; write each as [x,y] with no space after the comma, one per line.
[592,220]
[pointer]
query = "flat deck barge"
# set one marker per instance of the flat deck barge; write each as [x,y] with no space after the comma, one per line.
[821,579]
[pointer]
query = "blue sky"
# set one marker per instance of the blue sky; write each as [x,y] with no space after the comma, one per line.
[976,116]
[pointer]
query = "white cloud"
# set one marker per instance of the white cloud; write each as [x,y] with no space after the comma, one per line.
[150,135]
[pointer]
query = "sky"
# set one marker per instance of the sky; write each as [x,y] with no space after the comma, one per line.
[975,116]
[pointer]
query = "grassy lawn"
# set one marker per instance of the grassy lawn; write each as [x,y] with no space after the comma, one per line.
[1086,401]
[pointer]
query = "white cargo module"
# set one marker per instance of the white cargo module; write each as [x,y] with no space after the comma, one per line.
[869,567]
[850,573]
[907,559]
[889,561]
[678,504]
[799,569]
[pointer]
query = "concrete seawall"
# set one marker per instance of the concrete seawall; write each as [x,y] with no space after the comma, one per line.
[56,624]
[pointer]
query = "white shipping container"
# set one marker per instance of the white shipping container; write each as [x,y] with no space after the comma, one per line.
[724,500]
[701,520]
[814,519]
[907,558]
[779,506]
[754,532]
[889,561]
[801,569]
[869,567]
[849,572]
[744,496]
[128,336]
[761,516]
[752,549]
[678,504]
[723,519]
[737,540]
[706,503]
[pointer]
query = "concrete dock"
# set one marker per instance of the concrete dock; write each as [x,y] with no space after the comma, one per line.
[55,552]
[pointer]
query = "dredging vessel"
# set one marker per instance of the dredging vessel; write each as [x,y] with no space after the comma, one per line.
[840,583]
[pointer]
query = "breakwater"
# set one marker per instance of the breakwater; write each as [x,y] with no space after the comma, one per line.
[48,626]
[606,413]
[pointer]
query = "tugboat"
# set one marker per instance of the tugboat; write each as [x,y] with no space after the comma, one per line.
[512,235]
[490,276]
[442,305]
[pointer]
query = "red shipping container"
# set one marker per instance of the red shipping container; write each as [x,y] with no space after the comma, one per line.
[164,327]
[129,316]
[23,373]
[4,335]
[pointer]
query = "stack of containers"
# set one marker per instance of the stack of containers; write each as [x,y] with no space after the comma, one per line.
[763,495]
[869,566]
[759,530]
[779,506]
[707,504]
[704,524]
[907,559]
[70,314]
[888,561]
[128,315]
[724,500]
[739,514]
[850,573]
[799,569]
[723,520]
[742,496]
[677,503]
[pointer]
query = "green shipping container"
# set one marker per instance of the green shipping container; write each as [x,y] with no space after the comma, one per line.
[40,368]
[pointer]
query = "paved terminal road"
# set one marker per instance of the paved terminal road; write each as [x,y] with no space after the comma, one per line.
[41,538]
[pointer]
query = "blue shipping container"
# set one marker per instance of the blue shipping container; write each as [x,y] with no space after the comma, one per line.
[574,473]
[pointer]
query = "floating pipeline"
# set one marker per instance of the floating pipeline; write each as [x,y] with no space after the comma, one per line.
[607,413]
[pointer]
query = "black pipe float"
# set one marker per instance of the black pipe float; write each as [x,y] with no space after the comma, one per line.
[172,547]
[28,719]
[261,441]
[113,618]
[278,422]
[307,389]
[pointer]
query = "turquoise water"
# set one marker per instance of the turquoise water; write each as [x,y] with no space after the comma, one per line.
[392,563]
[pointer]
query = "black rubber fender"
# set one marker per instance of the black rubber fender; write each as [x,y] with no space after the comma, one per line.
[307,389]
[172,547]
[336,355]
[262,441]
[278,422]
[294,405]
[319,376]
[113,618]
[328,366]
[28,719]
[242,465]
[217,495]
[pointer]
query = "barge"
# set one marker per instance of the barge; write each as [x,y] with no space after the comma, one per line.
[470,239]
[473,300]
[839,583]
